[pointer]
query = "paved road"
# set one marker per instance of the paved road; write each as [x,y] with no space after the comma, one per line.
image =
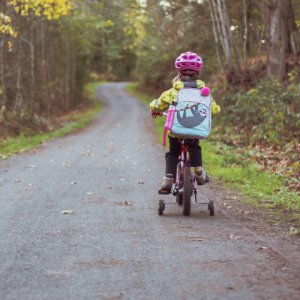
[106,249]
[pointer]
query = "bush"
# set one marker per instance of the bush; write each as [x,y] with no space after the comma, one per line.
[270,112]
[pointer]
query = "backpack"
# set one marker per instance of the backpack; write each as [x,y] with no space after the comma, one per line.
[190,115]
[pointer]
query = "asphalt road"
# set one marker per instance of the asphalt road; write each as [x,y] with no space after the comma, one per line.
[107,249]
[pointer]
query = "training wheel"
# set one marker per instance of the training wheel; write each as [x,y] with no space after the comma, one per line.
[211,207]
[161,207]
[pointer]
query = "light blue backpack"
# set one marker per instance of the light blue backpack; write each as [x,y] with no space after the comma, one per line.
[190,115]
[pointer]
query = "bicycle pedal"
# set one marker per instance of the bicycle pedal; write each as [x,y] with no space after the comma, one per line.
[164,192]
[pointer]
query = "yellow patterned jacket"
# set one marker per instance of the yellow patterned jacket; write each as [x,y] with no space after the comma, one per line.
[163,102]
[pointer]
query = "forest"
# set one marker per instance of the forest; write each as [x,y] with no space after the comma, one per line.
[50,49]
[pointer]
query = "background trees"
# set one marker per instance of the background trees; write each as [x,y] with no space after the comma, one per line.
[50,48]
[234,36]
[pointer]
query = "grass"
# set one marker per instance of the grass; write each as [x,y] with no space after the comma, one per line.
[22,143]
[259,187]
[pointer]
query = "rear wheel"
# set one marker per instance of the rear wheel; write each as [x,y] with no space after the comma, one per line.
[187,191]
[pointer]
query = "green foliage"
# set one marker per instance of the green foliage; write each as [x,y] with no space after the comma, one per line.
[25,141]
[270,112]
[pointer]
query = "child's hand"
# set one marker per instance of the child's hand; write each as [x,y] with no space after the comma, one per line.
[154,115]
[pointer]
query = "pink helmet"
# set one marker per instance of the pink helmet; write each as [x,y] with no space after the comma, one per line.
[188,63]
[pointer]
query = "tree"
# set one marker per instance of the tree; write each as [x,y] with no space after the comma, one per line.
[275,36]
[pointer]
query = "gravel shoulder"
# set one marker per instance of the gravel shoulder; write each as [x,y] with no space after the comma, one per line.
[114,245]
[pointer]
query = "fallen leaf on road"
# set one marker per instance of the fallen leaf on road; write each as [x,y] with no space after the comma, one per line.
[1,179]
[235,237]
[128,203]
[228,207]
[246,212]
[141,182]
[30,184]
[283,269]
[110,188]
[262,248]
[73,183]
[90,154]
[31,166]
[39,236]
[17,180]
[66,212]
[90,193]
[66,164]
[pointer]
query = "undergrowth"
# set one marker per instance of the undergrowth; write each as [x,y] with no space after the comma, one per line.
[75,120]
[235,168]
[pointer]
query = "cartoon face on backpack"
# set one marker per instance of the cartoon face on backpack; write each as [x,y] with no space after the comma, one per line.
[190,115]
[195,118]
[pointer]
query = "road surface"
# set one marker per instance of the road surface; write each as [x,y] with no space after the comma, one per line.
[107,249]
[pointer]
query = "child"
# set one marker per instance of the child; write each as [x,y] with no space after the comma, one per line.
[188,66]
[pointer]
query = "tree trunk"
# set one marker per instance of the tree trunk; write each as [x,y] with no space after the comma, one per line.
[216,40]
[275,35]
[2,72]
[291,26]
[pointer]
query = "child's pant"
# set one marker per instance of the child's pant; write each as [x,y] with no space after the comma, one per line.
[175,151]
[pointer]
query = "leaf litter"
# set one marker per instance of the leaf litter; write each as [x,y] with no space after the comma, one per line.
[66,212]
[232,237]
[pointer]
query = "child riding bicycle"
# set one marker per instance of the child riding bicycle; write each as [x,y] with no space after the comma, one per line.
[188,66]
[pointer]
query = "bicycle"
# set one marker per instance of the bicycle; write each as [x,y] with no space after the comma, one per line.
[184,184]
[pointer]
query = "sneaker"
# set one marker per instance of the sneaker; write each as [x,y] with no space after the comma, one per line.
[201,179]
[167,184]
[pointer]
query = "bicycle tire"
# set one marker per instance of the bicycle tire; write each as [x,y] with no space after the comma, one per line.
[187,191]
